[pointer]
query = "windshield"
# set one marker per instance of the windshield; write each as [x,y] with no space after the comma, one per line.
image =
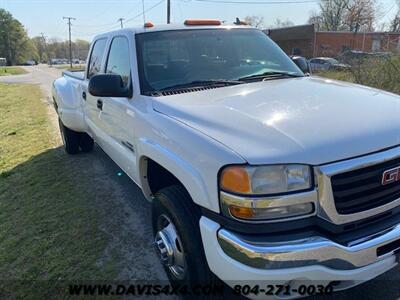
[169,59]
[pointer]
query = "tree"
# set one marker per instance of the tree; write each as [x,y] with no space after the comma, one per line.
[360,15]
[256,21]
[332,14]
[340,15]
[280,24]
[55,48]
[315,18]
[15,44]
[41,48]
[395,24]
[80,48]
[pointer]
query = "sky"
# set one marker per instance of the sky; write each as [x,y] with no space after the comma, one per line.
[93,17]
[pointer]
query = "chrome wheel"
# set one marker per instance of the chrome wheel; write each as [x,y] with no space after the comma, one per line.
[169,247]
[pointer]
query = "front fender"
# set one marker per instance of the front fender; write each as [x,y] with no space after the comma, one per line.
[192,157]
[181,169]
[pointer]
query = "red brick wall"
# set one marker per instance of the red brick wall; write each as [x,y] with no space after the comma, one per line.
[333,43]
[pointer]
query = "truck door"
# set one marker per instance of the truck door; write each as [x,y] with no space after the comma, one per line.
[92,104]
[119,113]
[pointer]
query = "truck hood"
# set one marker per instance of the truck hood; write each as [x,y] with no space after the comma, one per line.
[307,120]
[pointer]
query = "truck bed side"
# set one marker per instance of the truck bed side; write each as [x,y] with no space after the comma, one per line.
[67,97]
[78,74]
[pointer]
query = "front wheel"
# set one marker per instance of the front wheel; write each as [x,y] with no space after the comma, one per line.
[177,238]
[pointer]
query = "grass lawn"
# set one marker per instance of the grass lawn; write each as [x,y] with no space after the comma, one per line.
[49,220]
[67,67]
[5,71]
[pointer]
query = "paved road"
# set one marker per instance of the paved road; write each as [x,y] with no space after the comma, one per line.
[40,74]
[137,212]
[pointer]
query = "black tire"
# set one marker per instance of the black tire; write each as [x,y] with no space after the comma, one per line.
[70,139]
[86,142]
[175,203]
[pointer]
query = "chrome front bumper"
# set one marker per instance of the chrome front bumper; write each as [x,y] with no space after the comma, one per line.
[311,251]
[317,250]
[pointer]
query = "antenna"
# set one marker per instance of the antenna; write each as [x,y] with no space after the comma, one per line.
[144,17]
[168,11]
[121,19]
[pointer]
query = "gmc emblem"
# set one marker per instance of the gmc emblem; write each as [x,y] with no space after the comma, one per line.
[390,176]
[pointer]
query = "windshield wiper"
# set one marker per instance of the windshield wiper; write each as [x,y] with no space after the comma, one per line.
[200,83]
[273,74]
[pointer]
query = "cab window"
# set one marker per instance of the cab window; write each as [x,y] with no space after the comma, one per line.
[96,57]
[118,59]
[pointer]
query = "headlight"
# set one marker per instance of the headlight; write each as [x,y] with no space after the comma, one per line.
[263,180]
[267,192]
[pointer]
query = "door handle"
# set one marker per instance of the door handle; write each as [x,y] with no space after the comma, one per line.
[84,95]
[100,104]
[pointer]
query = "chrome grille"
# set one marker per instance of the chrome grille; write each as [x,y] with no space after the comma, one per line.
[361,189]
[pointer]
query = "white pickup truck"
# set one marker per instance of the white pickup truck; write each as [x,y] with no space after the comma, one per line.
[257,172]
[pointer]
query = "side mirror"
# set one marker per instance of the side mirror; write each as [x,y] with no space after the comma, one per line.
[108,85]
[302,63]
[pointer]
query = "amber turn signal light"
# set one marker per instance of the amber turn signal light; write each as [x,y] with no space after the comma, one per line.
[235,179]
[241,212]
[148,25]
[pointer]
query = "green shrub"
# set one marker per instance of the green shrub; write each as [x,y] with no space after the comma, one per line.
[381,73]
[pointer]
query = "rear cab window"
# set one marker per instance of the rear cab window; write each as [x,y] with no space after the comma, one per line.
[118,61]
[96,57]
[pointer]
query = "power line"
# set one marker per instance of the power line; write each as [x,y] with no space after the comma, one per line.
[93,25]
[259,2]
[144,16]
[115,26]
[103,12]
[144,11]
[90,34]
[389,10]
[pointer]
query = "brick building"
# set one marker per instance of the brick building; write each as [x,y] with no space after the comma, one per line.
[296,40]
[305,40]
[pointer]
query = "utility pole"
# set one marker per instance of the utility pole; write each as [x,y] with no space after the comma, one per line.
[168,11]
[121,19]
[70,43]
[45,48]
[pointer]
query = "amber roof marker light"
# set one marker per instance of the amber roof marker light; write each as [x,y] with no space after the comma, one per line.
[201,22]
[148,25]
